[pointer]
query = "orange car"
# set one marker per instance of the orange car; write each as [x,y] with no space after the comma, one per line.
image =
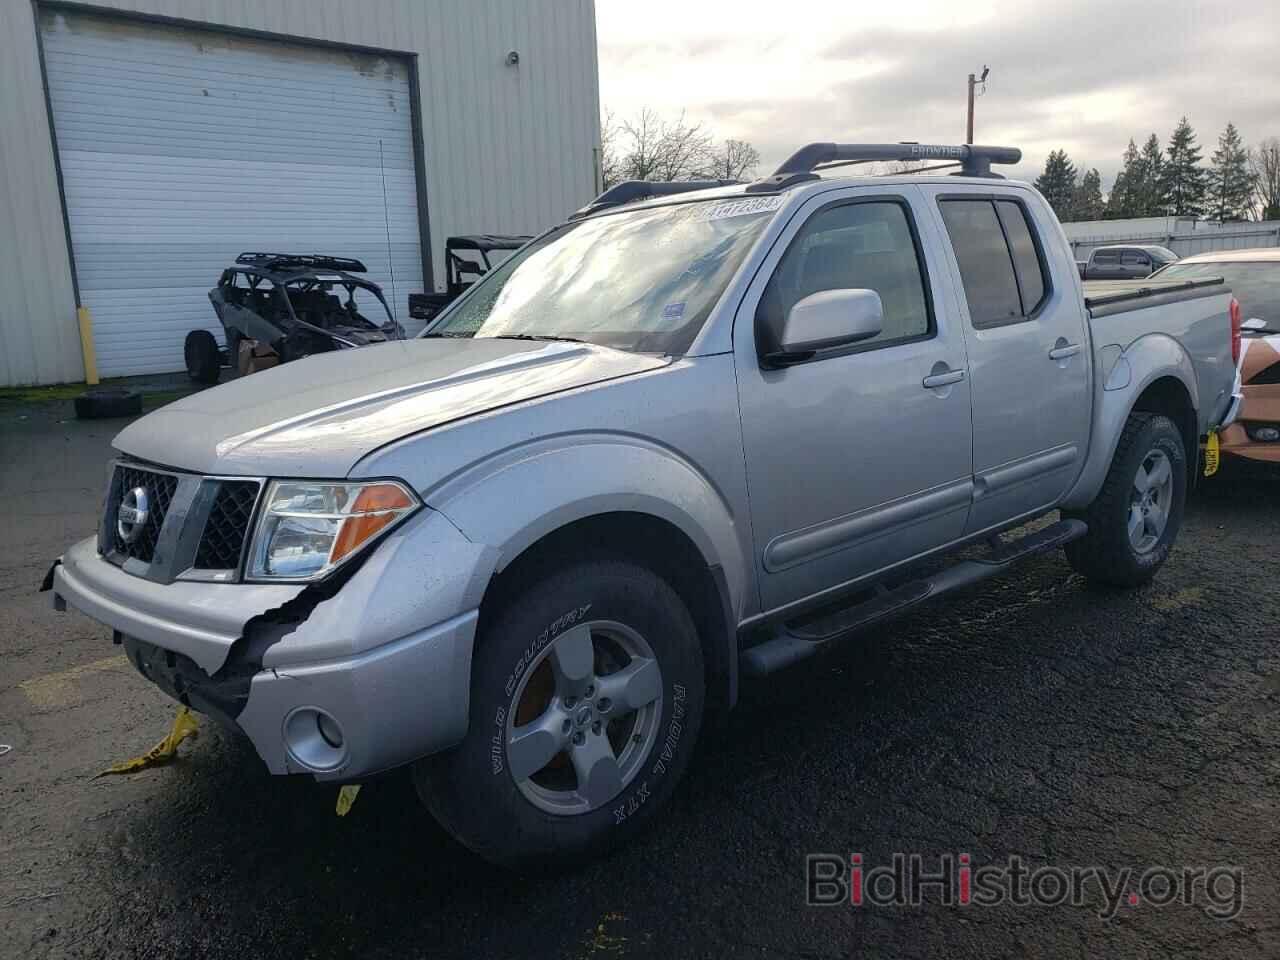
[1254,278]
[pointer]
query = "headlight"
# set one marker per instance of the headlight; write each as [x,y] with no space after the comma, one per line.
[306,529]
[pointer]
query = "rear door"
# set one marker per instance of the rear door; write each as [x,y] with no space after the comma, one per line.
[1029,363]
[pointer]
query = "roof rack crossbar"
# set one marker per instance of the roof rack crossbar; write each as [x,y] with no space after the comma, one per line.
[974,160]
[629,191]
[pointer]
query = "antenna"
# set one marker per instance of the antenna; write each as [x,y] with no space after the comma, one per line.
[386,222]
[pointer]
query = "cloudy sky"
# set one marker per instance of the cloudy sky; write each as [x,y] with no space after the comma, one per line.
[1085,75]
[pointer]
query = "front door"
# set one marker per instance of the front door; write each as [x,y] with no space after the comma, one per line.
[860,457]
[1029,359]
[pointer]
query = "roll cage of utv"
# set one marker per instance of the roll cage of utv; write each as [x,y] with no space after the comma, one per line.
[461,271]
[287,306]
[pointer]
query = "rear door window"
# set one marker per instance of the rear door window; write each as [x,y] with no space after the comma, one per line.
[986,264]
[1033,280]
[1111,259]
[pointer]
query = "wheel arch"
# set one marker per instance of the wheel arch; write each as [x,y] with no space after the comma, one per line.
[658,545]
[1153,375]
[614,494]
[1169,396]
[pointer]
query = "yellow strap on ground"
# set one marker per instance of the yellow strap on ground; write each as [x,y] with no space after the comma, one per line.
[347,798]
[1212,454]
[185,725]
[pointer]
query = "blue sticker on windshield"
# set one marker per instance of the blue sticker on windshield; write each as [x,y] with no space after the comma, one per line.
[673,311]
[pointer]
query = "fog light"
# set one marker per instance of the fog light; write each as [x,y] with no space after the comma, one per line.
[315,739]
[1266,434]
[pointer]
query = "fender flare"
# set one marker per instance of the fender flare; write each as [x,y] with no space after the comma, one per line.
[1134,368]
[557,481]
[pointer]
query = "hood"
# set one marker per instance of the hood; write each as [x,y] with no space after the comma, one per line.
[317,417]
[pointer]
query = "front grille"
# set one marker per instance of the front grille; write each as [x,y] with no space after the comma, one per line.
[160,488]
[228,525]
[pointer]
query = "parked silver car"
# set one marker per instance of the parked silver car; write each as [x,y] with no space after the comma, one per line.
[680,437]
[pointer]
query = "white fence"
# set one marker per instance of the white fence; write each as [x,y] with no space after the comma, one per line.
[1184,237]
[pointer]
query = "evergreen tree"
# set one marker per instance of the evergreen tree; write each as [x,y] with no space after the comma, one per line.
[1184,180]
[1087,203]
[1123,202]
[1230,180]
[1058,183]
[1152,198]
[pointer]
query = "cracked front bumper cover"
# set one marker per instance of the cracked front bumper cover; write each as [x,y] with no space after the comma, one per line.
[377,698]
[387,654]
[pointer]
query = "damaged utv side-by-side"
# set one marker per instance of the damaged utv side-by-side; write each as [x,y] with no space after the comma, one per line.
[279,307]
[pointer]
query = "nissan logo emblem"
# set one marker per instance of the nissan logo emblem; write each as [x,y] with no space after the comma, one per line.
[131,516]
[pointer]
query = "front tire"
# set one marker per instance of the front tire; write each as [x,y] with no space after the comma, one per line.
[586,700]
[1135,519]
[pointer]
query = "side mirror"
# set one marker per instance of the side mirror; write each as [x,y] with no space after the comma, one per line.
[829,318]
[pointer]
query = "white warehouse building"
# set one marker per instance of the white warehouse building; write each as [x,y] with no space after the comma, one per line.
[145,143]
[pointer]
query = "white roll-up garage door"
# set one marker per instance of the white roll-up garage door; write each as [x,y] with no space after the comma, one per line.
[181,148]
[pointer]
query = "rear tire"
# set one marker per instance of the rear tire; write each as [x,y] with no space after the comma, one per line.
[604,762]
[1135,518]
[200,350]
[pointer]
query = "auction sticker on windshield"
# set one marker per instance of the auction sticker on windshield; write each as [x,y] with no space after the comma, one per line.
[738,208]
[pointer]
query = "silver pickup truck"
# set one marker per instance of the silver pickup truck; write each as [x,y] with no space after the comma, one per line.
[685,436]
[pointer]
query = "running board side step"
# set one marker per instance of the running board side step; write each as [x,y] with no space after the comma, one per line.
[793,643]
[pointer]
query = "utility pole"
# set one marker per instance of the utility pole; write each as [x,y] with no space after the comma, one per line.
[973,82]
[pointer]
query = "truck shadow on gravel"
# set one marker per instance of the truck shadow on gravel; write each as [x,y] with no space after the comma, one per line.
[1033,715]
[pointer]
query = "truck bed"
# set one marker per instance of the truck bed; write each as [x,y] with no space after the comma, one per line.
[1195,313]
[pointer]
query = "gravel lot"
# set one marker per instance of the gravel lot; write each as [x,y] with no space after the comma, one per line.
[1034,716]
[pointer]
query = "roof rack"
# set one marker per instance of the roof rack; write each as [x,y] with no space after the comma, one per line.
[629,191]
[294,261]
[975,161]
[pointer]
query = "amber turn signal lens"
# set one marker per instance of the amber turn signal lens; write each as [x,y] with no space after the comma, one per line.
[376,506]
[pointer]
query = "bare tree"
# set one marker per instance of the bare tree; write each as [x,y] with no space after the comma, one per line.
[611,163]
[1264,161]
[649,147]
[682,151]
[736,160]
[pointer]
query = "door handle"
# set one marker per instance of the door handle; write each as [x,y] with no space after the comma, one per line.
[933,381]
[1064,351]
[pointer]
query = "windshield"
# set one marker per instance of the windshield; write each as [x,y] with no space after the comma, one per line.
[1255,285]
[644,280]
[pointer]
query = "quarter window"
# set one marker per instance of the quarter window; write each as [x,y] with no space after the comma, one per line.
[1000,265]
[863,245]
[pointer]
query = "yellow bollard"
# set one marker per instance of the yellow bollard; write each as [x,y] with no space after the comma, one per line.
[86,346]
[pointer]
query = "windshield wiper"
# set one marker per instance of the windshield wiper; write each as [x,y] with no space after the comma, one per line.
[535,336]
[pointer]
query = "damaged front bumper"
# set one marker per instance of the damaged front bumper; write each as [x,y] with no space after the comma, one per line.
[339,684]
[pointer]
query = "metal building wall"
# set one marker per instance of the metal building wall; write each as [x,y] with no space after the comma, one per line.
[1183,236]
[507,149]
